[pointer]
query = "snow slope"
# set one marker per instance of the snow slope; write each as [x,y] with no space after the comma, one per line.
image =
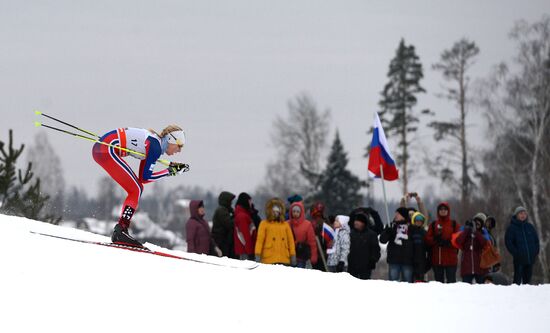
[53,285]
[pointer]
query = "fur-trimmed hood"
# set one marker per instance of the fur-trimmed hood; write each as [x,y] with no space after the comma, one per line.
[269,210]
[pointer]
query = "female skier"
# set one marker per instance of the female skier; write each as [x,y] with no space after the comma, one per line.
[147,146]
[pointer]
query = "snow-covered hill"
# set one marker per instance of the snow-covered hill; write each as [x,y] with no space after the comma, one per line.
[53,285]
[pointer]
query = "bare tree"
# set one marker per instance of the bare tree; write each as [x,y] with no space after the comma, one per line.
[454,64]
[518,111]
[300,140]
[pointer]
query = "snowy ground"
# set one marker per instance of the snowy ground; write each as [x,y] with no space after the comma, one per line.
[53,285]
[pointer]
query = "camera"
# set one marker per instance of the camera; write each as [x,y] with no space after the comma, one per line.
[413,194]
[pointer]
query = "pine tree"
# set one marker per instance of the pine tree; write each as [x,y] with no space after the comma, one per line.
[339,188]
[398,100]
[18,196]
[454,64]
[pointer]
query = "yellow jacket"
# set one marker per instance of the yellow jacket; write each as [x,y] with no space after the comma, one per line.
[275,242]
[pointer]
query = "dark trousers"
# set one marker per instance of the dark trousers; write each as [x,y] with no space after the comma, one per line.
[470,278]
[523,273]
[361,275]
[445,272]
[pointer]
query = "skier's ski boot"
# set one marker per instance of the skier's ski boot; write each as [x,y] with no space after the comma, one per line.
[122,236]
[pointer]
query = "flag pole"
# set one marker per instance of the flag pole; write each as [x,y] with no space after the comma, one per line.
[384,190]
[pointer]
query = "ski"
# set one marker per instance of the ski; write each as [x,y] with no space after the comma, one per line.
[145,250]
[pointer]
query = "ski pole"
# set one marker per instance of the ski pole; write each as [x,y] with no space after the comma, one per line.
[39,113]
[39,124]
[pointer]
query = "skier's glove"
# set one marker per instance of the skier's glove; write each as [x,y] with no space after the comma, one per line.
[177,168]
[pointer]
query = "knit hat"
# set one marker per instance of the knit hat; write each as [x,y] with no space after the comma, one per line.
[362,217]
[418,217]
[294,198]
[404,212]
[480,216]
[519,209]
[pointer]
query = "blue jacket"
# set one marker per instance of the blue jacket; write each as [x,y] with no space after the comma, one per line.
[522,241]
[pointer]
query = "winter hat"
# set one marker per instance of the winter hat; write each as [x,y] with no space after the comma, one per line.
[480,216]
[343,219]
[362,217]
[294,198]
[404,212]
[519,209]
[418,217]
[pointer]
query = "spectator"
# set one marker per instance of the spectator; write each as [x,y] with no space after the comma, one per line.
[471,242]
[490,224]
[338,255]
[223,224]
[421,263]
[318,220]
[438,239]
[245,229]
[304,236]
[375,221]
[197,232]
[522,242]
[275,243]
[400,247]
[364,250]
[421,207]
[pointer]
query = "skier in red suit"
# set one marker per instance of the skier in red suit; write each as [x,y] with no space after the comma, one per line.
[147,146]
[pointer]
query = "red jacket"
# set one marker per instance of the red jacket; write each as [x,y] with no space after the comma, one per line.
[303,231]
[245,231]
[471,252]
[438,238]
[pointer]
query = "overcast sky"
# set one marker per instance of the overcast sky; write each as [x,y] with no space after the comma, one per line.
[224,70]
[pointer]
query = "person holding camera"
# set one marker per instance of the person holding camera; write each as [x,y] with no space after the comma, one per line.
[471,241]
[420,204]
[444,254]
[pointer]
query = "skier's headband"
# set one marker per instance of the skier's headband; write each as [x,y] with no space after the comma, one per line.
[177,138]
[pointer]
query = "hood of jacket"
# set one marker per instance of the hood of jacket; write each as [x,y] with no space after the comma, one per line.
[444,218]
[225,198]
[302,216]
[269,210]
[194,209]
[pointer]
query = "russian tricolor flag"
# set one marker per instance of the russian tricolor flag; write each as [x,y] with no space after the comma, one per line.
[327,233]
[380,154]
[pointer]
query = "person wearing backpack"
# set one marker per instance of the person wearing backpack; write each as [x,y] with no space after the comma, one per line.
[438,238]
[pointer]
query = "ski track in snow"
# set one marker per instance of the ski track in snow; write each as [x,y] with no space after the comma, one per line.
[55,285]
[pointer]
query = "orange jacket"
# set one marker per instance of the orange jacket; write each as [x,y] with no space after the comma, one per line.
[303,231]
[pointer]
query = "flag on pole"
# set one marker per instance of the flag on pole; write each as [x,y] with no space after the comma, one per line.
[327,233]
[380,154]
